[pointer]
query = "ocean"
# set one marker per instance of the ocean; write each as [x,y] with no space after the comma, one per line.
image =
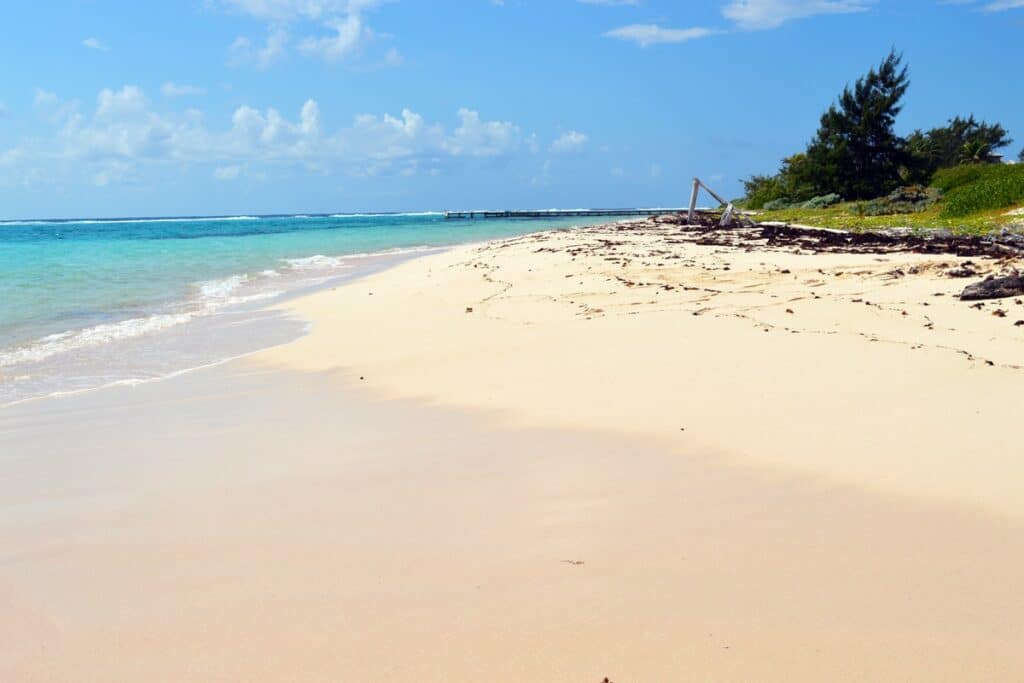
[93,302]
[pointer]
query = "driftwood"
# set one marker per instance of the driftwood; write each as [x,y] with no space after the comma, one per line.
[995,288]
[728,218]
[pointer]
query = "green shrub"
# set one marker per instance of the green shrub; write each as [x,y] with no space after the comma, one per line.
[913,198]
[995,187]
[761,189]
[902,200]
[876,207]
[822,202]
[946,179]
[779,204]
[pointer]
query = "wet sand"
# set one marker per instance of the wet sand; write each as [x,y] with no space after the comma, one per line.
[578,478]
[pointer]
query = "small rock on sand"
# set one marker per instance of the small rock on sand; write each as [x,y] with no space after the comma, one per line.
[995,288]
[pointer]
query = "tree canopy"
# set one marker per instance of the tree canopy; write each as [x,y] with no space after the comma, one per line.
[857,154]
[961,141]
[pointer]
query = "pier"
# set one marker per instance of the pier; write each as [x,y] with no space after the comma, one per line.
[555,213]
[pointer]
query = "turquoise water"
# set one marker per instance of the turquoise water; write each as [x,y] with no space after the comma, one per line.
[69,289]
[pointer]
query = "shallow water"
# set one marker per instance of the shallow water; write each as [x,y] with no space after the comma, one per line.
[86,303]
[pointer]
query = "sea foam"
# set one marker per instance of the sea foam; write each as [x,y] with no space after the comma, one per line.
[210,297]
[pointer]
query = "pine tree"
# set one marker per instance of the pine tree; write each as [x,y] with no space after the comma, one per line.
[856,152]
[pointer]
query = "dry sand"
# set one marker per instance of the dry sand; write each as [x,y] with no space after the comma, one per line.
[570,456]
[864,369]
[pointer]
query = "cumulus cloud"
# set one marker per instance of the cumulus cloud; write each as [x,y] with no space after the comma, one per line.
[335,30]
[477,138]
[645,35]
[123,133]
[120,104]
[572,142]
[347,35]
[244,52]
[94,44]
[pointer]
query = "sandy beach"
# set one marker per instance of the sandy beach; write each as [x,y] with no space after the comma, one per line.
[616,452]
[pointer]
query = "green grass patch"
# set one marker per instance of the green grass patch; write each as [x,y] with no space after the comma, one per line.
[946,179]
[981,188]
[974,200]
[847,217]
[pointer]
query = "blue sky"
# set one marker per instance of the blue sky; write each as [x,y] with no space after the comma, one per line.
[258,106]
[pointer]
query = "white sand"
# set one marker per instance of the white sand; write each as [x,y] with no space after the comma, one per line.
[848,367]
[508,495]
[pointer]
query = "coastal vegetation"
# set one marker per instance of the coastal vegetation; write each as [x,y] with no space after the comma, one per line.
[858,172]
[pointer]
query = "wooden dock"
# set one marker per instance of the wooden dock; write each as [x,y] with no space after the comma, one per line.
[555,213]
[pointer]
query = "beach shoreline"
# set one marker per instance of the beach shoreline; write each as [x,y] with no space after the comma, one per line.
[605,452]
[89,303]
[136,351]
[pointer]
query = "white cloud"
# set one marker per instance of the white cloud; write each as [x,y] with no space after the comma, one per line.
[3,109]
[123,135]
[572,142]
[340,24]
[126,102]
[749,15]
[244,52]
[292,10]
[764,14]
[94,44]
[478,138]
[171,89]
[645,35]
[611,3]
[349,35]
